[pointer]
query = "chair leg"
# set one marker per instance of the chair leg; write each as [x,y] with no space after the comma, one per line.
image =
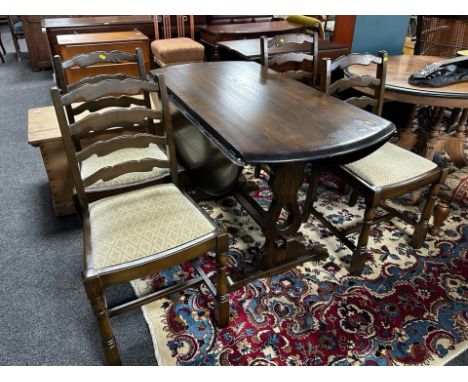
[257,171]
[3,48]
[353,198]
[95,294]
[359,256]
[311,196]
[222,303]
[1,57]
[15,38]
[422,227]
[441,212]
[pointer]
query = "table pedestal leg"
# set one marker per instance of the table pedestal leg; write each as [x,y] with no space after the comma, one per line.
[280,243]
[281,250]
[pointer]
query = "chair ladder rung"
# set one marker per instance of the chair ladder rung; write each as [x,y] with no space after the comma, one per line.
[398,214]
[153,296]
[333,229]
[205,278]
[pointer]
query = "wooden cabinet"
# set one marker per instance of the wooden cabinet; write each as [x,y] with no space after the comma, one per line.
[36,41]
[52,27]
[70,45]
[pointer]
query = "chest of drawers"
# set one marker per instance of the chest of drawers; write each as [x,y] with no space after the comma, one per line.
[70,45]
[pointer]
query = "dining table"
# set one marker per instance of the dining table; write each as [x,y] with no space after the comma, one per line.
[249,49]
[211,35]
[257,119]
[454,96]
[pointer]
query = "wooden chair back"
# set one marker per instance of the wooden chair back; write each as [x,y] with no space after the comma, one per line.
[184,23]
[298,58]
[86,60]
[376,84]
[2,48]
[133,118]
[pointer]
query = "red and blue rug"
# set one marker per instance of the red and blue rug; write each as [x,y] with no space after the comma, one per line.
[409,307]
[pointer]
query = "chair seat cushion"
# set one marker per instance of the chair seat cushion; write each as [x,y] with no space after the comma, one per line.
[177,50]
[455,187]
[389,165]
[140,223]
[94,163]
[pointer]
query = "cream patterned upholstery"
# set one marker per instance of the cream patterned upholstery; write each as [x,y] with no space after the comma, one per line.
[140,223]
[455,187]
[177,50]
[94,163]
[388,165]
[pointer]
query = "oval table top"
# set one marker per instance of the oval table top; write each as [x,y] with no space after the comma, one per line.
[272,119]
[397,87]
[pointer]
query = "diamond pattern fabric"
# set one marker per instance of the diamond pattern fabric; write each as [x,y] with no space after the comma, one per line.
[94,163]
[388,165]
[140,223]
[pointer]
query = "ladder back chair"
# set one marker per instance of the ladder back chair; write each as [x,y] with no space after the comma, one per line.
[86,60]
[298,57]
[294,56]
[81,109]
[16,29]
[388,172]
[2,48]
[136,233]
[176,50]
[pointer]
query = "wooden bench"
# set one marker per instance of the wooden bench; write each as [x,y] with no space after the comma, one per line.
[44,132]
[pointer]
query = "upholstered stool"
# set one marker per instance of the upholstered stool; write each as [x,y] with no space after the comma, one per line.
[177,51]
[454,190]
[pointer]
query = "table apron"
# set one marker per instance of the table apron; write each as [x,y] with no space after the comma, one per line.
[414,99]
[200,125]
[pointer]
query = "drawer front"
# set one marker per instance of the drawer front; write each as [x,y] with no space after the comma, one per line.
[74,74]
[68,51]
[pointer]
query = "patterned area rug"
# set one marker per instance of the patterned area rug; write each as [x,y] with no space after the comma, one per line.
[409,307]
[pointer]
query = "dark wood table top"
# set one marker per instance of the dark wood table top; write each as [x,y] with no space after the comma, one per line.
[397,87]
[270,121]
[72,22]
[249,49]
[214,33]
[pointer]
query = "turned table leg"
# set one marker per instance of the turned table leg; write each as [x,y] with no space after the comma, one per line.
[455,145]
[435,135]
[441,212]
[408,138]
